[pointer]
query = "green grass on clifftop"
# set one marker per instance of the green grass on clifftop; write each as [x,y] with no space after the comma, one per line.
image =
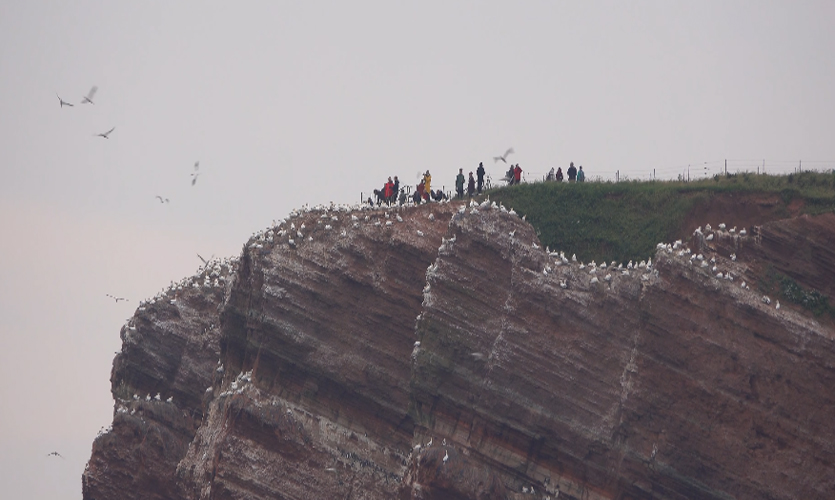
[625,220]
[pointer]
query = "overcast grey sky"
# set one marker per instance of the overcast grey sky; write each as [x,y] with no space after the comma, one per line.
[310,102]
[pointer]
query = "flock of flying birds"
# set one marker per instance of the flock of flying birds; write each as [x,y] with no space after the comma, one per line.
[88,99]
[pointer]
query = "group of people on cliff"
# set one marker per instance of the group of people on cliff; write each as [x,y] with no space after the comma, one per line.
[573,174]
[473,186]
[392,193]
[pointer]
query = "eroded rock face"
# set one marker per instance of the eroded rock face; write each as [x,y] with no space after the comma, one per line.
[530,376]
[170,350]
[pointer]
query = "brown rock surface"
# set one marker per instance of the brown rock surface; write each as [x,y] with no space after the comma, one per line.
[530,378]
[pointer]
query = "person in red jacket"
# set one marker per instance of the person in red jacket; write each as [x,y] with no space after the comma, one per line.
[517,174]
[388,191]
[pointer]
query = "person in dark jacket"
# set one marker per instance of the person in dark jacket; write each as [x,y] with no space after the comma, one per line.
[471,186]
[459,183]
[480,174]
[572,172]
[559,174]
[396,186]
[517,174]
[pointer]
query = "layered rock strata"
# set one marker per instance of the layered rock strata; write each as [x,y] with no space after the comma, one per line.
[440,352]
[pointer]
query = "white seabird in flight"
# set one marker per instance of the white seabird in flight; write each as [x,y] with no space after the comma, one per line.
[89,97]
[63,102]
[105,134]
[504,156]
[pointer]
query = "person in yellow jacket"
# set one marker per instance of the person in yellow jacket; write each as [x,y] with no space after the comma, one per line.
[427,179]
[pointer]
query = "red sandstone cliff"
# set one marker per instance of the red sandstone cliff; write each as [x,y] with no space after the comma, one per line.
[326,367]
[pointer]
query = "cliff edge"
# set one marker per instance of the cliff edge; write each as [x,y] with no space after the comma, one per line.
[440,352]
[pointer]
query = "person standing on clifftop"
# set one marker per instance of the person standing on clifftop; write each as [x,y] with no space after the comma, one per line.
[427,183]
[388,191]
[396,186]
[572,172]
[581,176]
[471,186]
[480,174]
[559,174]
[517,174]
[459,183]
[420,192]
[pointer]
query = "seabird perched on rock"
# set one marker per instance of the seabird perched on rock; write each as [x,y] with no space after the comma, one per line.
[709,237]
[446,456]
[778,305]
[743,232]
[431,216]
[721,225]
[707,227]
[595,280]
[563,284]
[733,257]
[419,232]
[766,300]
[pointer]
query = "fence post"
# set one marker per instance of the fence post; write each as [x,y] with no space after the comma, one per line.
[726,167]
[653,174]
[617,176]
[799,166]
[763,166]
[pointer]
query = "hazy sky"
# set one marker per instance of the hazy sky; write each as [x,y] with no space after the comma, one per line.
[310,102]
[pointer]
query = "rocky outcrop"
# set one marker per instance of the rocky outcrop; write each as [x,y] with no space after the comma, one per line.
[439,352]
[170,349]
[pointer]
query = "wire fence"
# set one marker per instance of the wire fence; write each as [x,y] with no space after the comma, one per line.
[698,171]
[684,173]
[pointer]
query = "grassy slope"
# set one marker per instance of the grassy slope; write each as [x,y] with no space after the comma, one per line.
[623,221]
